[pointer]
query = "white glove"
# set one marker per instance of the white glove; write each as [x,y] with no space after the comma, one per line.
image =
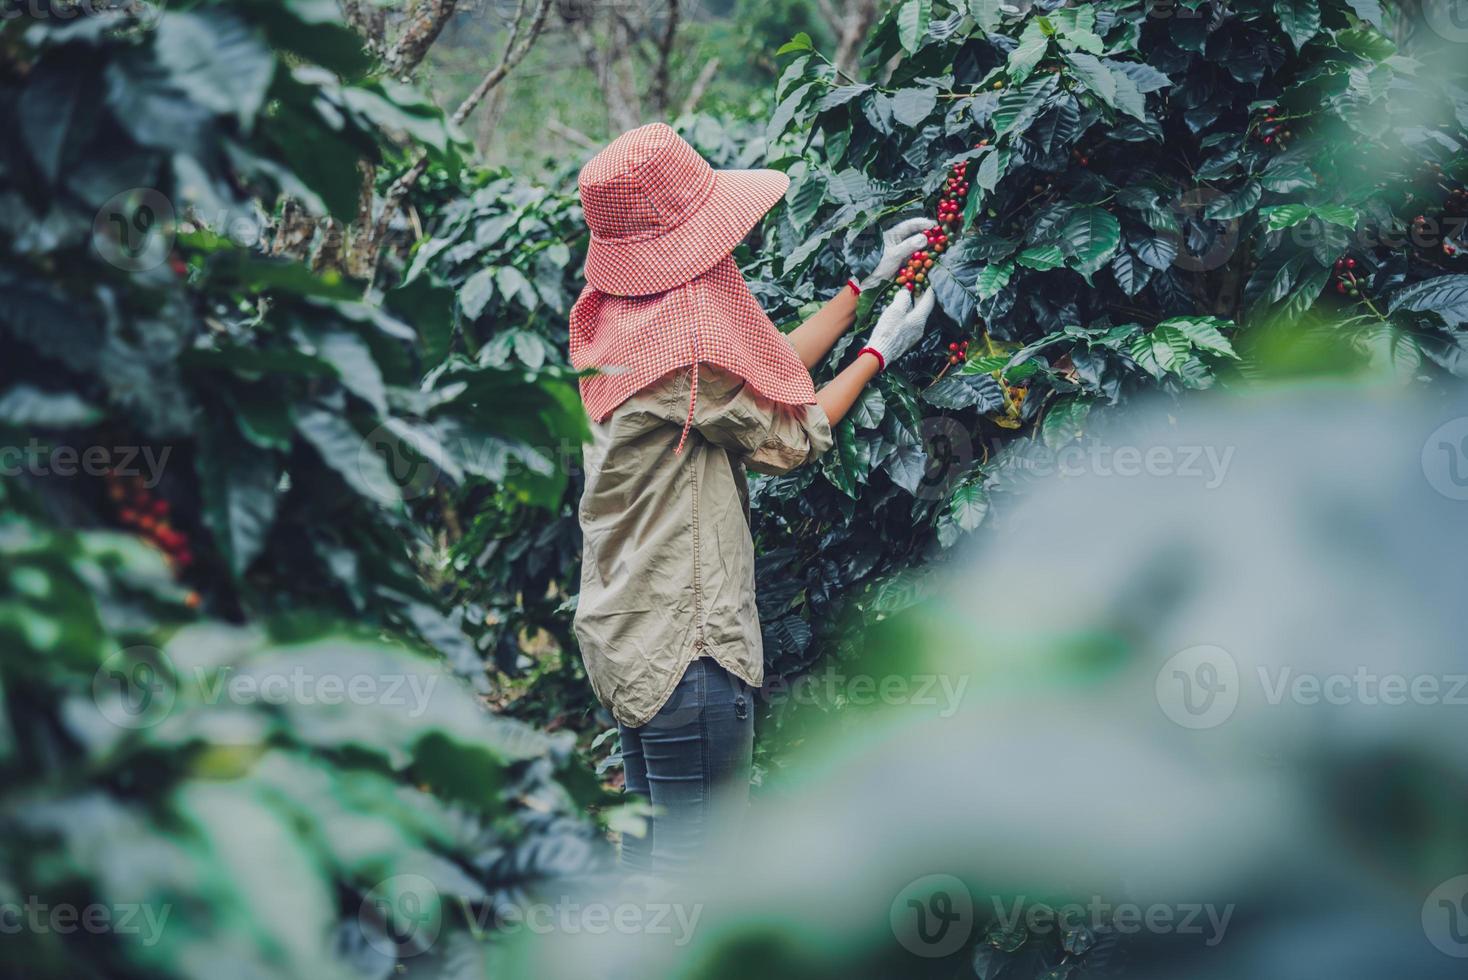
[900,325]
[898,244]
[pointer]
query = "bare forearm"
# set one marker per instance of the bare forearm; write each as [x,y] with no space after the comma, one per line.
[815,337]
[837,397]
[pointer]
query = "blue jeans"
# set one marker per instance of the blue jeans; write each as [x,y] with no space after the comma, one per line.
[691,760]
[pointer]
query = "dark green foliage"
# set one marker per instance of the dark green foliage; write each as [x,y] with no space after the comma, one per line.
[221,465]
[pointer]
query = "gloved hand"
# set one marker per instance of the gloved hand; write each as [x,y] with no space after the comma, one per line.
[898,244]
[900,325]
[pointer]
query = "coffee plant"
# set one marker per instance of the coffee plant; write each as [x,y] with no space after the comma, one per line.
[212,490]
[1154,199]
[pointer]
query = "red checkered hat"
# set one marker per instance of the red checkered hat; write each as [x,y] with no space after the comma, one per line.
[660,215]
[713,319]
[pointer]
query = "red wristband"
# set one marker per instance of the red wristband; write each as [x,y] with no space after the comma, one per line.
[854,287]
[881,361]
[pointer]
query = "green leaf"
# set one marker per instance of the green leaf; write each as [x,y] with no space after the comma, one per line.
[26,406]
[1041,257]
[353,458]
[349,354]
[1092,73]
[1169,346]
[800,42]
[1235,203]
[1366,42]
[1203,332]
[979,391]
[785,112]
[476,292]
[1033,43]
[992,168]
[1019,105]
[993,277]
[513,284]
[843,466]
[1144,76]
[55,102]
[1284,174]
[913,18]
[1304,294]
[840,95]
[1337,214]
[1131,275]
[1129,98]
[911,106]
[869,409]
[806,198]
[218,59]
[969,504]
[1284,216]
[1065,421]
[237,483]
[1091,236]
[1299,18]
[1446,296]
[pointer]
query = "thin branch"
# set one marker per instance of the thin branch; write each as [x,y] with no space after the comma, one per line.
[515,51]
[700,86]
[426,22]
[571,135]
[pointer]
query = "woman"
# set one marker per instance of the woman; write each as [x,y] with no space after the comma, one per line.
[694,383]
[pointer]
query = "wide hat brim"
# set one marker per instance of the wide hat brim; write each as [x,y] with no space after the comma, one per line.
[735,203]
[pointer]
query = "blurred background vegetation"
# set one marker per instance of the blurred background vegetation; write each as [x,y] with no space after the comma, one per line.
[313,260]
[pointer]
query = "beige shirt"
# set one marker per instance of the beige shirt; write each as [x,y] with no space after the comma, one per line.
[667,569]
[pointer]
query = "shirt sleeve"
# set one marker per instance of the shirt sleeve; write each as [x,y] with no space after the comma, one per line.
[769,437]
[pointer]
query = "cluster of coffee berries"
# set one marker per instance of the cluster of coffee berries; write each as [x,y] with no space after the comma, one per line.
[914,275]
[1346,281]
[950,202]
[1272,132]
[147,514]
[1080,157]
[958,352]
